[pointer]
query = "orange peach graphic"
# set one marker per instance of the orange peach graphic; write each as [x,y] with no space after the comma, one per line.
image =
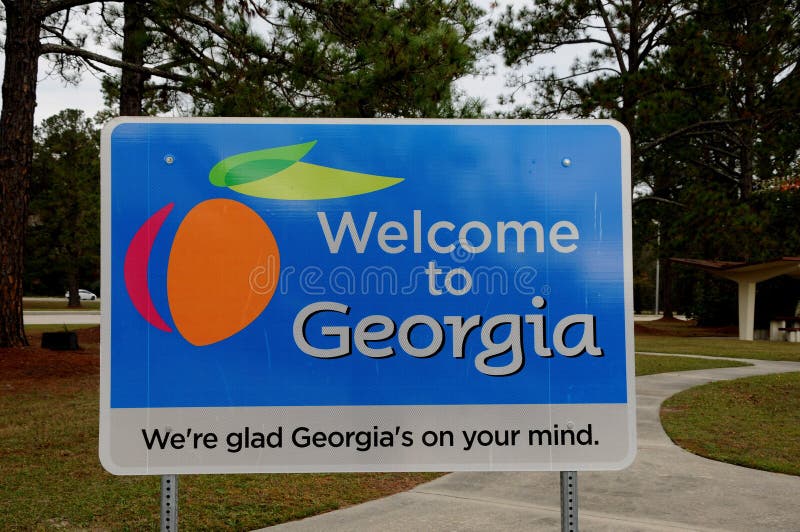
[223,270]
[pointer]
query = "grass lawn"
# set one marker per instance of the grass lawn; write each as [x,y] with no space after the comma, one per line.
[40,328]
[55,304]
[754,422]
[50,476]
[724,347]
[651,364]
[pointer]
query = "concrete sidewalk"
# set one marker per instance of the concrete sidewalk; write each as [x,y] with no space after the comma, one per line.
[666,488]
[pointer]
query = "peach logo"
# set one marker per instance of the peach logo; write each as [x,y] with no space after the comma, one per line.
[224,262]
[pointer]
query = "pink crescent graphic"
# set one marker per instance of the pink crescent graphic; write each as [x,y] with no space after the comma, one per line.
[137,259]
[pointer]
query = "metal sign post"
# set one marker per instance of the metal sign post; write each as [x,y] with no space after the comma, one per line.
[569,501]
[169,503]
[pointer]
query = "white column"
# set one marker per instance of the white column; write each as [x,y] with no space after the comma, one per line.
[747,309]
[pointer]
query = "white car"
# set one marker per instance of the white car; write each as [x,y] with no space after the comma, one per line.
[84,295]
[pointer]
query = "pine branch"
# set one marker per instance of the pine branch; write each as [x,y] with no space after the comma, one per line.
[686,130]
[49,48]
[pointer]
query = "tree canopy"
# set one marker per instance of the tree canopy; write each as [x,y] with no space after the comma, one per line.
[294,58]
[63,242]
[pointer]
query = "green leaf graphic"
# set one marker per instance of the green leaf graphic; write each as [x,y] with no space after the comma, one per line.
[276,173]
[252,165]
[310,182]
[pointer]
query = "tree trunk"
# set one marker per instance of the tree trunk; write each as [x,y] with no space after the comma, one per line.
[74,300]
[746,161]
[134,42]
[23,20]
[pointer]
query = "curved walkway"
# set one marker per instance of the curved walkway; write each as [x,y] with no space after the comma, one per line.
[665,489]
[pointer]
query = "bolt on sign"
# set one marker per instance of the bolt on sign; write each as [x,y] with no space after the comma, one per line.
[366,295]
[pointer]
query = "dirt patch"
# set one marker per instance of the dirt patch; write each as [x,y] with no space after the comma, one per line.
[638,329]
[28,368]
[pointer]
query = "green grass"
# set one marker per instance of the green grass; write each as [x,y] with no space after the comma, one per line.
[651,364]
[50,477]
[57,305]
[754,422]
[725,347]
[40,328]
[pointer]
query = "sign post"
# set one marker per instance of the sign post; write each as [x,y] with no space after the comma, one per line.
[349,295]
[569,501]
[169,503]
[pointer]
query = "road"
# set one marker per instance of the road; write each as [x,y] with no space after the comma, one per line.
[58,317]
[66,317]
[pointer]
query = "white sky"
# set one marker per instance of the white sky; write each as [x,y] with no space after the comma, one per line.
[53,96]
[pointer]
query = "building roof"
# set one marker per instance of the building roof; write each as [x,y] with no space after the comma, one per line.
[760,271]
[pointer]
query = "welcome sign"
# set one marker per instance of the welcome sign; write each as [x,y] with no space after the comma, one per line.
[321,295]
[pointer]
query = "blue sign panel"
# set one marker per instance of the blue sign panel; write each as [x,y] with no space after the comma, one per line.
[337,264]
